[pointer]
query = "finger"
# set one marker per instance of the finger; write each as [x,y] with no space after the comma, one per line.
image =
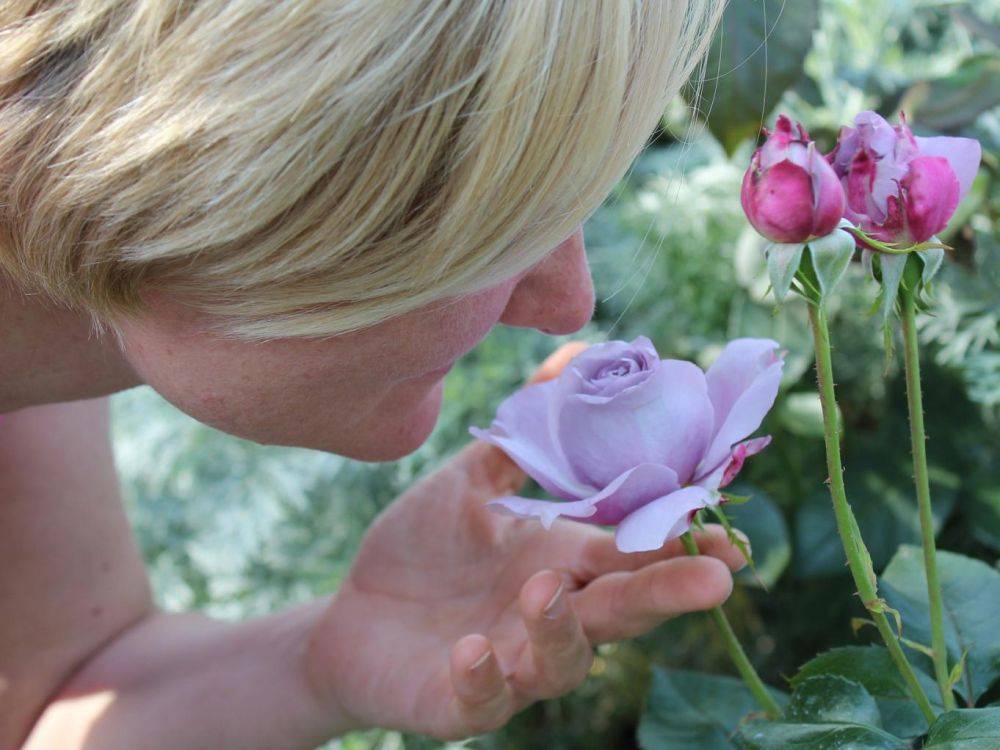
[626,604]
[600,555]
[483,699]
[559,656]
[555,362]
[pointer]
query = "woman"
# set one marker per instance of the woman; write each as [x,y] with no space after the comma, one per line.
[290,219]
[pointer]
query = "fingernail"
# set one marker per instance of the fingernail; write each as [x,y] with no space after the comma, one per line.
[557,604]
[478,663]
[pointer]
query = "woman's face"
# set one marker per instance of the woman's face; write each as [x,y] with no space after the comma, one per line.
[373,394]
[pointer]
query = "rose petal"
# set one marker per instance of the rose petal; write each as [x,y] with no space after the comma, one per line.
[521,430]
[626,493]
[829,201]
[963,155]
[779,202]
[648,527]
[742,384]
[731,465]
[932,194]
[586,365]
[665,420]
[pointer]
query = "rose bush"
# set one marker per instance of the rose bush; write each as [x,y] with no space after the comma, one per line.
[625,438]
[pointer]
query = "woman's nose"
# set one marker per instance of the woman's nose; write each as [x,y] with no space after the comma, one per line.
[557,295]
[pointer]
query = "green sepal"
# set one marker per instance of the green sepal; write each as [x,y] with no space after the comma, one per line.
[891,271]
[932,260]
[831,255]
[782,263]
[956,672]
[736,541]
[731,499]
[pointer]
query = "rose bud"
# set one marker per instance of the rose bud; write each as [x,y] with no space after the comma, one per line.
[790,193]
[900,188]
[625,438]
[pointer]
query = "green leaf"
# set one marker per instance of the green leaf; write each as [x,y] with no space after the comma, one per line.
[880,488]
[873,668]
[966,729]
[764,524]
[761,735]
[782,263]
[983,508]
[955,101]
[832,699]
[695,711]
[831,255]
[802,414]
[756,55]
[976,25]
[971,593]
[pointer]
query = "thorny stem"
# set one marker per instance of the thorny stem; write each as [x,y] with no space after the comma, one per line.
[914,400]
[736,652]
[858,558]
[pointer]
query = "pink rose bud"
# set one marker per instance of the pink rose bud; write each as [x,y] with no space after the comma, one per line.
[790,193]
[901,188]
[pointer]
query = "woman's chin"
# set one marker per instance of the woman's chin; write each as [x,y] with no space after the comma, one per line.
[397,430]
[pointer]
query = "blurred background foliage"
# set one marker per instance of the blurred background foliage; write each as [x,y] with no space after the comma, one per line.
[237,529]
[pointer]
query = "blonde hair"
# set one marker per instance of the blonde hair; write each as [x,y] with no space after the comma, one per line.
[315,166]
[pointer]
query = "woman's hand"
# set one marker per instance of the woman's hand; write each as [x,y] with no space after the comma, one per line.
[453,618]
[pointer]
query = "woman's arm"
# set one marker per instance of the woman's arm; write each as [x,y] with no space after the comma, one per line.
[186,682]
[83,654]
[71,578]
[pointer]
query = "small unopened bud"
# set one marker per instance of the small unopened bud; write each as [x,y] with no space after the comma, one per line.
[790,192]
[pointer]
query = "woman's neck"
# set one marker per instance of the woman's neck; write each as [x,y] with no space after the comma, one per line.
[49,354]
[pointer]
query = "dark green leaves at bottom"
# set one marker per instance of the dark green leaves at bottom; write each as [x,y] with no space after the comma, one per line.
[827,712]
[832,699]
[971,593]
[873,668]
[695,711]
[968,729]
[782,736]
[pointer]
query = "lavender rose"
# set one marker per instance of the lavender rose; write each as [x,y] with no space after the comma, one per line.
[625,438]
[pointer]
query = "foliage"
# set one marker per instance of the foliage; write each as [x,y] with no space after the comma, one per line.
[237,529]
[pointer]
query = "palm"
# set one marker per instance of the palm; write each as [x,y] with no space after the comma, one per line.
[438,566]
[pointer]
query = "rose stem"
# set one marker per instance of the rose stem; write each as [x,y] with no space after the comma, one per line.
[858,558]
[914,400]
[736,652]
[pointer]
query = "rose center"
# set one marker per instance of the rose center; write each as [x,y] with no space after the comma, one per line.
[618,369]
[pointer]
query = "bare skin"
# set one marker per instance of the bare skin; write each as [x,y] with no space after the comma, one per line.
[440,627]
